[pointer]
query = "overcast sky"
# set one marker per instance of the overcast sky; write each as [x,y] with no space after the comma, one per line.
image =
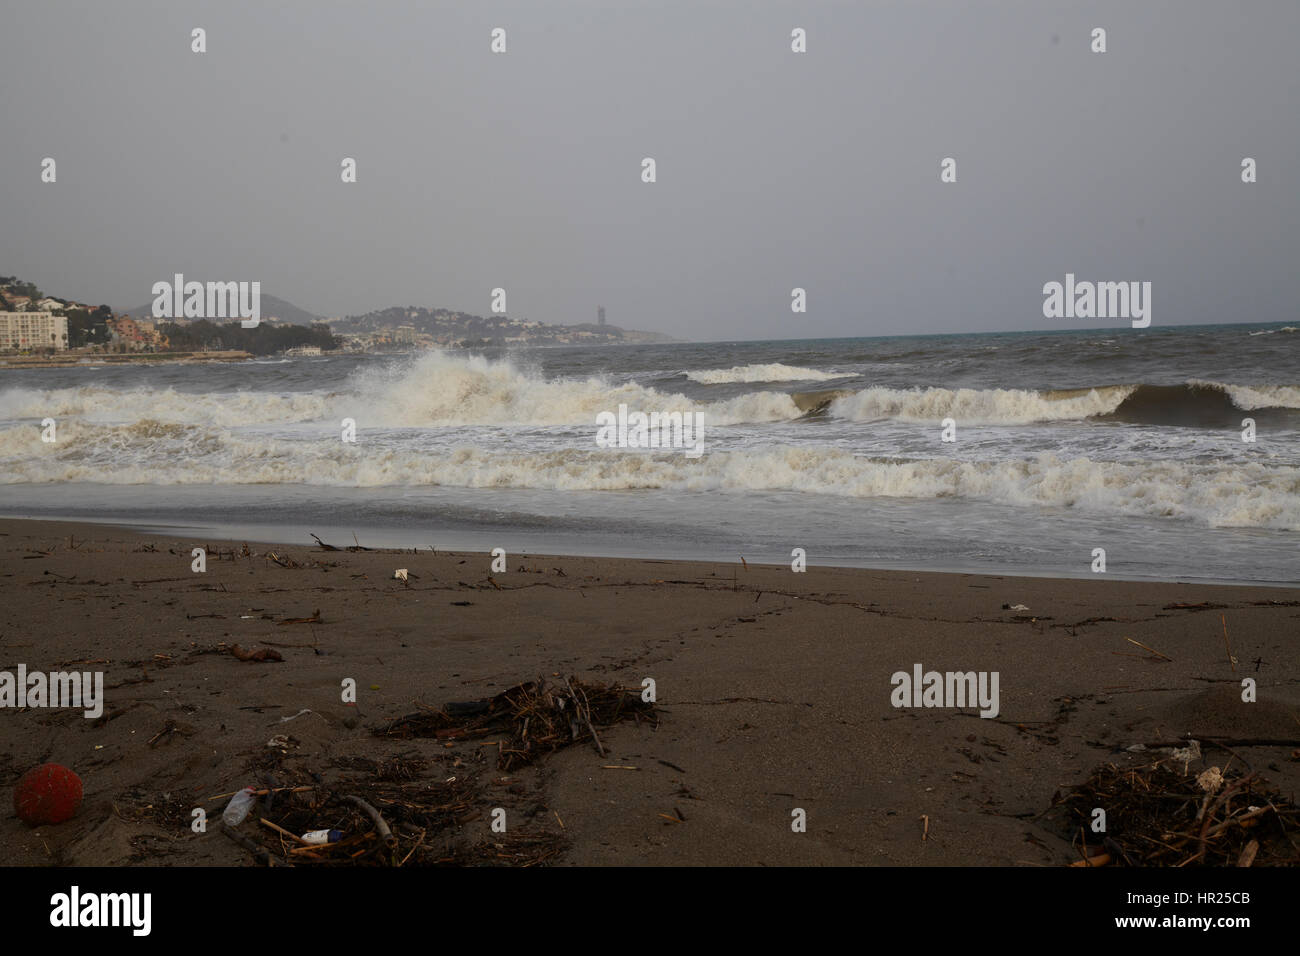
[775,169]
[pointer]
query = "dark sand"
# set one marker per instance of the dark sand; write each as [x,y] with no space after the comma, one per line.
[774,689]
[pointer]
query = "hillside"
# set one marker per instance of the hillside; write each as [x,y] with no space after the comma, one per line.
[273,308]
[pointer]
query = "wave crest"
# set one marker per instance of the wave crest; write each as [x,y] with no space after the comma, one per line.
[774,372]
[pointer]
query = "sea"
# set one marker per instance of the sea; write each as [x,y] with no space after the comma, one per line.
[1124,440]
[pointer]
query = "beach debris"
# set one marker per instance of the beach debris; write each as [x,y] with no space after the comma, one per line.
[1232,661]
[319,837]
[237,809]
[535,718]
[584,712]
[381,828]
[1186,754]
[260,853]
[330,547]
[467,708]
[260,656]
[314,619]
[46,795]
[285,720]
[281,830]
[1210,780]
[400,574]
[279,741]
[1159,814]
[169,728]
[1151,650]
[1015,607]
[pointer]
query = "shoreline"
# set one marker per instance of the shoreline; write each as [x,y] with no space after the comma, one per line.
[97,360]
[268,535]
[774,690]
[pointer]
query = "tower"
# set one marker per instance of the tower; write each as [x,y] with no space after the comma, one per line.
[600,315]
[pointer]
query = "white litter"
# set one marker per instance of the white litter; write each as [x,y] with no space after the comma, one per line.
[1211,780]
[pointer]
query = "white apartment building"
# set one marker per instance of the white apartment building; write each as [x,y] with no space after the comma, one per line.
[32,330]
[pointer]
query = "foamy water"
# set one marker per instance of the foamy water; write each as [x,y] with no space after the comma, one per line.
[1137,436]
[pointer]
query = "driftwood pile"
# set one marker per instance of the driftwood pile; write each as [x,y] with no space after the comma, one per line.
[532,719]
[390,813]
[393,826]
[1168,814]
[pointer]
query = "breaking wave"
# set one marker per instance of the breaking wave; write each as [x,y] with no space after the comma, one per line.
[438,389]
[1249,495]
[775,372]
[447,390]
[1206,404]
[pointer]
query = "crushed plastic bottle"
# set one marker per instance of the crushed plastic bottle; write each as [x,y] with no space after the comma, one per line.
[317,837]
[237,809]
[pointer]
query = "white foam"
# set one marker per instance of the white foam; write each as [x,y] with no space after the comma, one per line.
[775,372]
[1001,406]
[1249,495]
[437,389]
[1250,397]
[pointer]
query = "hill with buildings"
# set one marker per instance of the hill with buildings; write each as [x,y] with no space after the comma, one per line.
[413,326]
[45,323]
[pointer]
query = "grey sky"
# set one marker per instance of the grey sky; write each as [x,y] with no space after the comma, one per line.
[775,169]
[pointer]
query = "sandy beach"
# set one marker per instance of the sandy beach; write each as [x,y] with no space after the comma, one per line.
[773,694]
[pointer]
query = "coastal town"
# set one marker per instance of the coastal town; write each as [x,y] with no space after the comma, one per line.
[36,328]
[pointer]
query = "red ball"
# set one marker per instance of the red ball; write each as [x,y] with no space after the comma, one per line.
[49,793]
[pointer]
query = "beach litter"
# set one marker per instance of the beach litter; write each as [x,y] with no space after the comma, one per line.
[406,810]
[388,823]
[1162,814]
[48,794]
[260,656]
[537,718]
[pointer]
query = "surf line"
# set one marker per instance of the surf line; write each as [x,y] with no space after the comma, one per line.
[654,430]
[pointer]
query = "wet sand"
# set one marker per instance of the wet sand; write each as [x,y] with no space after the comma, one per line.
[774,691]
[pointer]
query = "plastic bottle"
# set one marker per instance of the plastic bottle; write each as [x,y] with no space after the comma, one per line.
[317,837]
[237,809]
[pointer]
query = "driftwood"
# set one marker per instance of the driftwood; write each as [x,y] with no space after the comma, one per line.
[534,718]
[330,547]
[1164,814]
[260,853]
[585,712]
